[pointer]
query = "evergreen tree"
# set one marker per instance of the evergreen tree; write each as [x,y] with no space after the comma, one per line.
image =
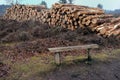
[43,3]
[70,1]
[63,1]
[100,6]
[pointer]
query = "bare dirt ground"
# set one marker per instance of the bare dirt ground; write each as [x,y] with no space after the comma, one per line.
[4,69]
[98,70]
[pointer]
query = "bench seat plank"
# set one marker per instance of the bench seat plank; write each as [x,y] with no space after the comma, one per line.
[70,48]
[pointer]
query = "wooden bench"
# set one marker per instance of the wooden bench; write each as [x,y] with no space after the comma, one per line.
[57,51]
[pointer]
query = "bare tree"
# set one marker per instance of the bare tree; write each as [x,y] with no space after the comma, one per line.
[11,2]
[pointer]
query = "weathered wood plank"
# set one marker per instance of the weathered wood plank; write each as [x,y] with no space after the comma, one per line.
[70,48]
[57,58]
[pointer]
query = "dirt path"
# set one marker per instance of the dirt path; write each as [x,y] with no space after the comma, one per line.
[98,70]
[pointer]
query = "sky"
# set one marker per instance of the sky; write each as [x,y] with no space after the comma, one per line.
[107,4]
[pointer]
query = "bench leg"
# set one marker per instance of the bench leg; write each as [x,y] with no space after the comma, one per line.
[57,58]
[89,56]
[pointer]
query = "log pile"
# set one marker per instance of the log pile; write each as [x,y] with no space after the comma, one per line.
[74,16]
[68,16]
[23,12]
[109,29]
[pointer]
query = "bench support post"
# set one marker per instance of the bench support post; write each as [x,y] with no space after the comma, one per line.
[89,56]
[57,58]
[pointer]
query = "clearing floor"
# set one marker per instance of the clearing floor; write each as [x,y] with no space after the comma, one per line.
[104,66]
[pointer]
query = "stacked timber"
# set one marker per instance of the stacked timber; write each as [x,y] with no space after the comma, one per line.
[74,16]
[23,13]
[68,16]
[109,29]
